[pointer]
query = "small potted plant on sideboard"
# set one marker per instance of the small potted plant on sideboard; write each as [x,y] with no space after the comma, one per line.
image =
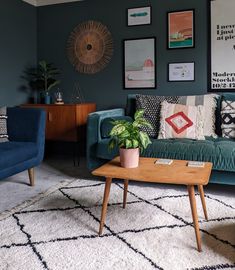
[130,139]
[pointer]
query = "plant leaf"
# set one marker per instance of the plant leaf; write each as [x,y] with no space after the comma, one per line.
[144,139]
[128,143]
[135,143]
[139,114]
[117,130]
[53,84]
[112,143]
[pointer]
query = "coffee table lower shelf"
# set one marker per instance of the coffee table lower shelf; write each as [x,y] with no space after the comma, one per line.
[178,170]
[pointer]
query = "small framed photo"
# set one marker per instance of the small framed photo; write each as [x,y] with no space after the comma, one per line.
[139,63]
[180,29]
[139,16]
[181,72]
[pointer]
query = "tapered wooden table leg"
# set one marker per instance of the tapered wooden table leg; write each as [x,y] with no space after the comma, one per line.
[105,203]
[126,182]
[194,214]
[201,191]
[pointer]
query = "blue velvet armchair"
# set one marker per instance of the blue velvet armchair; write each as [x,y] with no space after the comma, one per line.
[25,149]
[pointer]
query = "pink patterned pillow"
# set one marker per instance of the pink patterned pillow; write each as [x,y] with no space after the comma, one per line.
[181,121]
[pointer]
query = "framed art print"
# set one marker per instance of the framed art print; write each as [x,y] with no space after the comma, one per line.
[180,29]
[139,63]
[139,16]
[222,46]
[181,72]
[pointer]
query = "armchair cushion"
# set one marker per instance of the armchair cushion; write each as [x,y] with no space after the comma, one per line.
[13,153]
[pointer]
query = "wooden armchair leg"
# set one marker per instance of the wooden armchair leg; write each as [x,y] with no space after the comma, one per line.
[31,176]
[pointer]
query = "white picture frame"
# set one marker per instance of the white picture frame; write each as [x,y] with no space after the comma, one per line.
[222,46]
[139,16]
[181,72]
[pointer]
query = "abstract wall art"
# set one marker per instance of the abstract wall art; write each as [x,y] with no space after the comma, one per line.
[139,63]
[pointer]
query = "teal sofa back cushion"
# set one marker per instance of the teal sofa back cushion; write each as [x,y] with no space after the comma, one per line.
[106,124]
[220,151]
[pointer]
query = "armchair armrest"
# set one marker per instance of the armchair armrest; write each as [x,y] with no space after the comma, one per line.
[94,136]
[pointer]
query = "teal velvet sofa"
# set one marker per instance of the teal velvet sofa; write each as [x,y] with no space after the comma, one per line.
[220,151]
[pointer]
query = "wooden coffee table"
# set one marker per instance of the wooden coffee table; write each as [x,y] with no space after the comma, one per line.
[176,173]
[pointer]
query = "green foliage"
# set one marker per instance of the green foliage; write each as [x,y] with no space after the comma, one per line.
[42,77]
[128,135]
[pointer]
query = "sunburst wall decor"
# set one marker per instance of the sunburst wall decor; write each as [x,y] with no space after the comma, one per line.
[90,47]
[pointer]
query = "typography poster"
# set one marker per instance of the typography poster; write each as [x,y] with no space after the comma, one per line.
[222,56]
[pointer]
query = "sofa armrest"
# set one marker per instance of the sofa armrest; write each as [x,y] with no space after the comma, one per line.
[27,125]
[94,135]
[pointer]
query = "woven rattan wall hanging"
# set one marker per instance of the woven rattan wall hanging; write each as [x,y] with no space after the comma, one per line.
[90,47]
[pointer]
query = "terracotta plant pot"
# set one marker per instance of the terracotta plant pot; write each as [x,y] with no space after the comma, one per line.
[129,158]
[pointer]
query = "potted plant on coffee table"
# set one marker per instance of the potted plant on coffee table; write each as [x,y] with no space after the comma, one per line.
[130,139]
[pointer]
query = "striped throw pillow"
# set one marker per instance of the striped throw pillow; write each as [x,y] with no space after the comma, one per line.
[209,102]
[3,125]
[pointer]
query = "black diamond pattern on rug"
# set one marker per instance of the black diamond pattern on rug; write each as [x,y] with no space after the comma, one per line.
[155,231]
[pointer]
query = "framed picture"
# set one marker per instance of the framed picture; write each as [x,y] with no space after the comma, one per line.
[181,72]
[139,63]
[221,46]
[139,16]
[180,29]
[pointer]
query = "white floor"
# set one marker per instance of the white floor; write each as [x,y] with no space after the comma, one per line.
[15,190]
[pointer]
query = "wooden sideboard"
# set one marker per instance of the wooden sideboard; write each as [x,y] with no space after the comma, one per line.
[66,122]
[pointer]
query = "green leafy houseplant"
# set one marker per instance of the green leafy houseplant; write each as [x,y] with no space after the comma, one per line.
[128,135]
[46,76]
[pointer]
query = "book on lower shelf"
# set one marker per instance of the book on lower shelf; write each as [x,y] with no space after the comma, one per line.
[198,164]
[164,161]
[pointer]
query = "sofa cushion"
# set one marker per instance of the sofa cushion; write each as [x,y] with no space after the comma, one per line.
[152,107]
[12,153]
[228,119]
[181,121]
[106,124]
[219,151]
[3,125]
[209,102]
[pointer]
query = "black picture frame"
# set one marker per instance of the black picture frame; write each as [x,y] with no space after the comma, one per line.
[213,85]
[141,9]
[183,34]
[141,67]
[188,76]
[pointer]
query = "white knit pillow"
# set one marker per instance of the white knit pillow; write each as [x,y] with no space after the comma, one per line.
[209,102]
[181,121]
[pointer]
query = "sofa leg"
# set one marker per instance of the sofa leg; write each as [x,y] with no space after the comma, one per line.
[31,176]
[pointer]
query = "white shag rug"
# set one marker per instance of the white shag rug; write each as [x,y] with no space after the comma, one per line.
[58,231]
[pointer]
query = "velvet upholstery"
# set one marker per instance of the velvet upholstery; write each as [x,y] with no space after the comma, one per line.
[25,150]
[220,151]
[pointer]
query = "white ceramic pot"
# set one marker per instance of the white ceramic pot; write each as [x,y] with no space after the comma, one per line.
[129,158]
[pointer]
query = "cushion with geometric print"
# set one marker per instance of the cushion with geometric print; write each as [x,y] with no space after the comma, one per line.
[181,121]
[228,119]
[3,125]
[152,107]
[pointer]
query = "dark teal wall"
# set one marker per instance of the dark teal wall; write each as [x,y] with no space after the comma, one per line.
[17,48]
[106,87]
